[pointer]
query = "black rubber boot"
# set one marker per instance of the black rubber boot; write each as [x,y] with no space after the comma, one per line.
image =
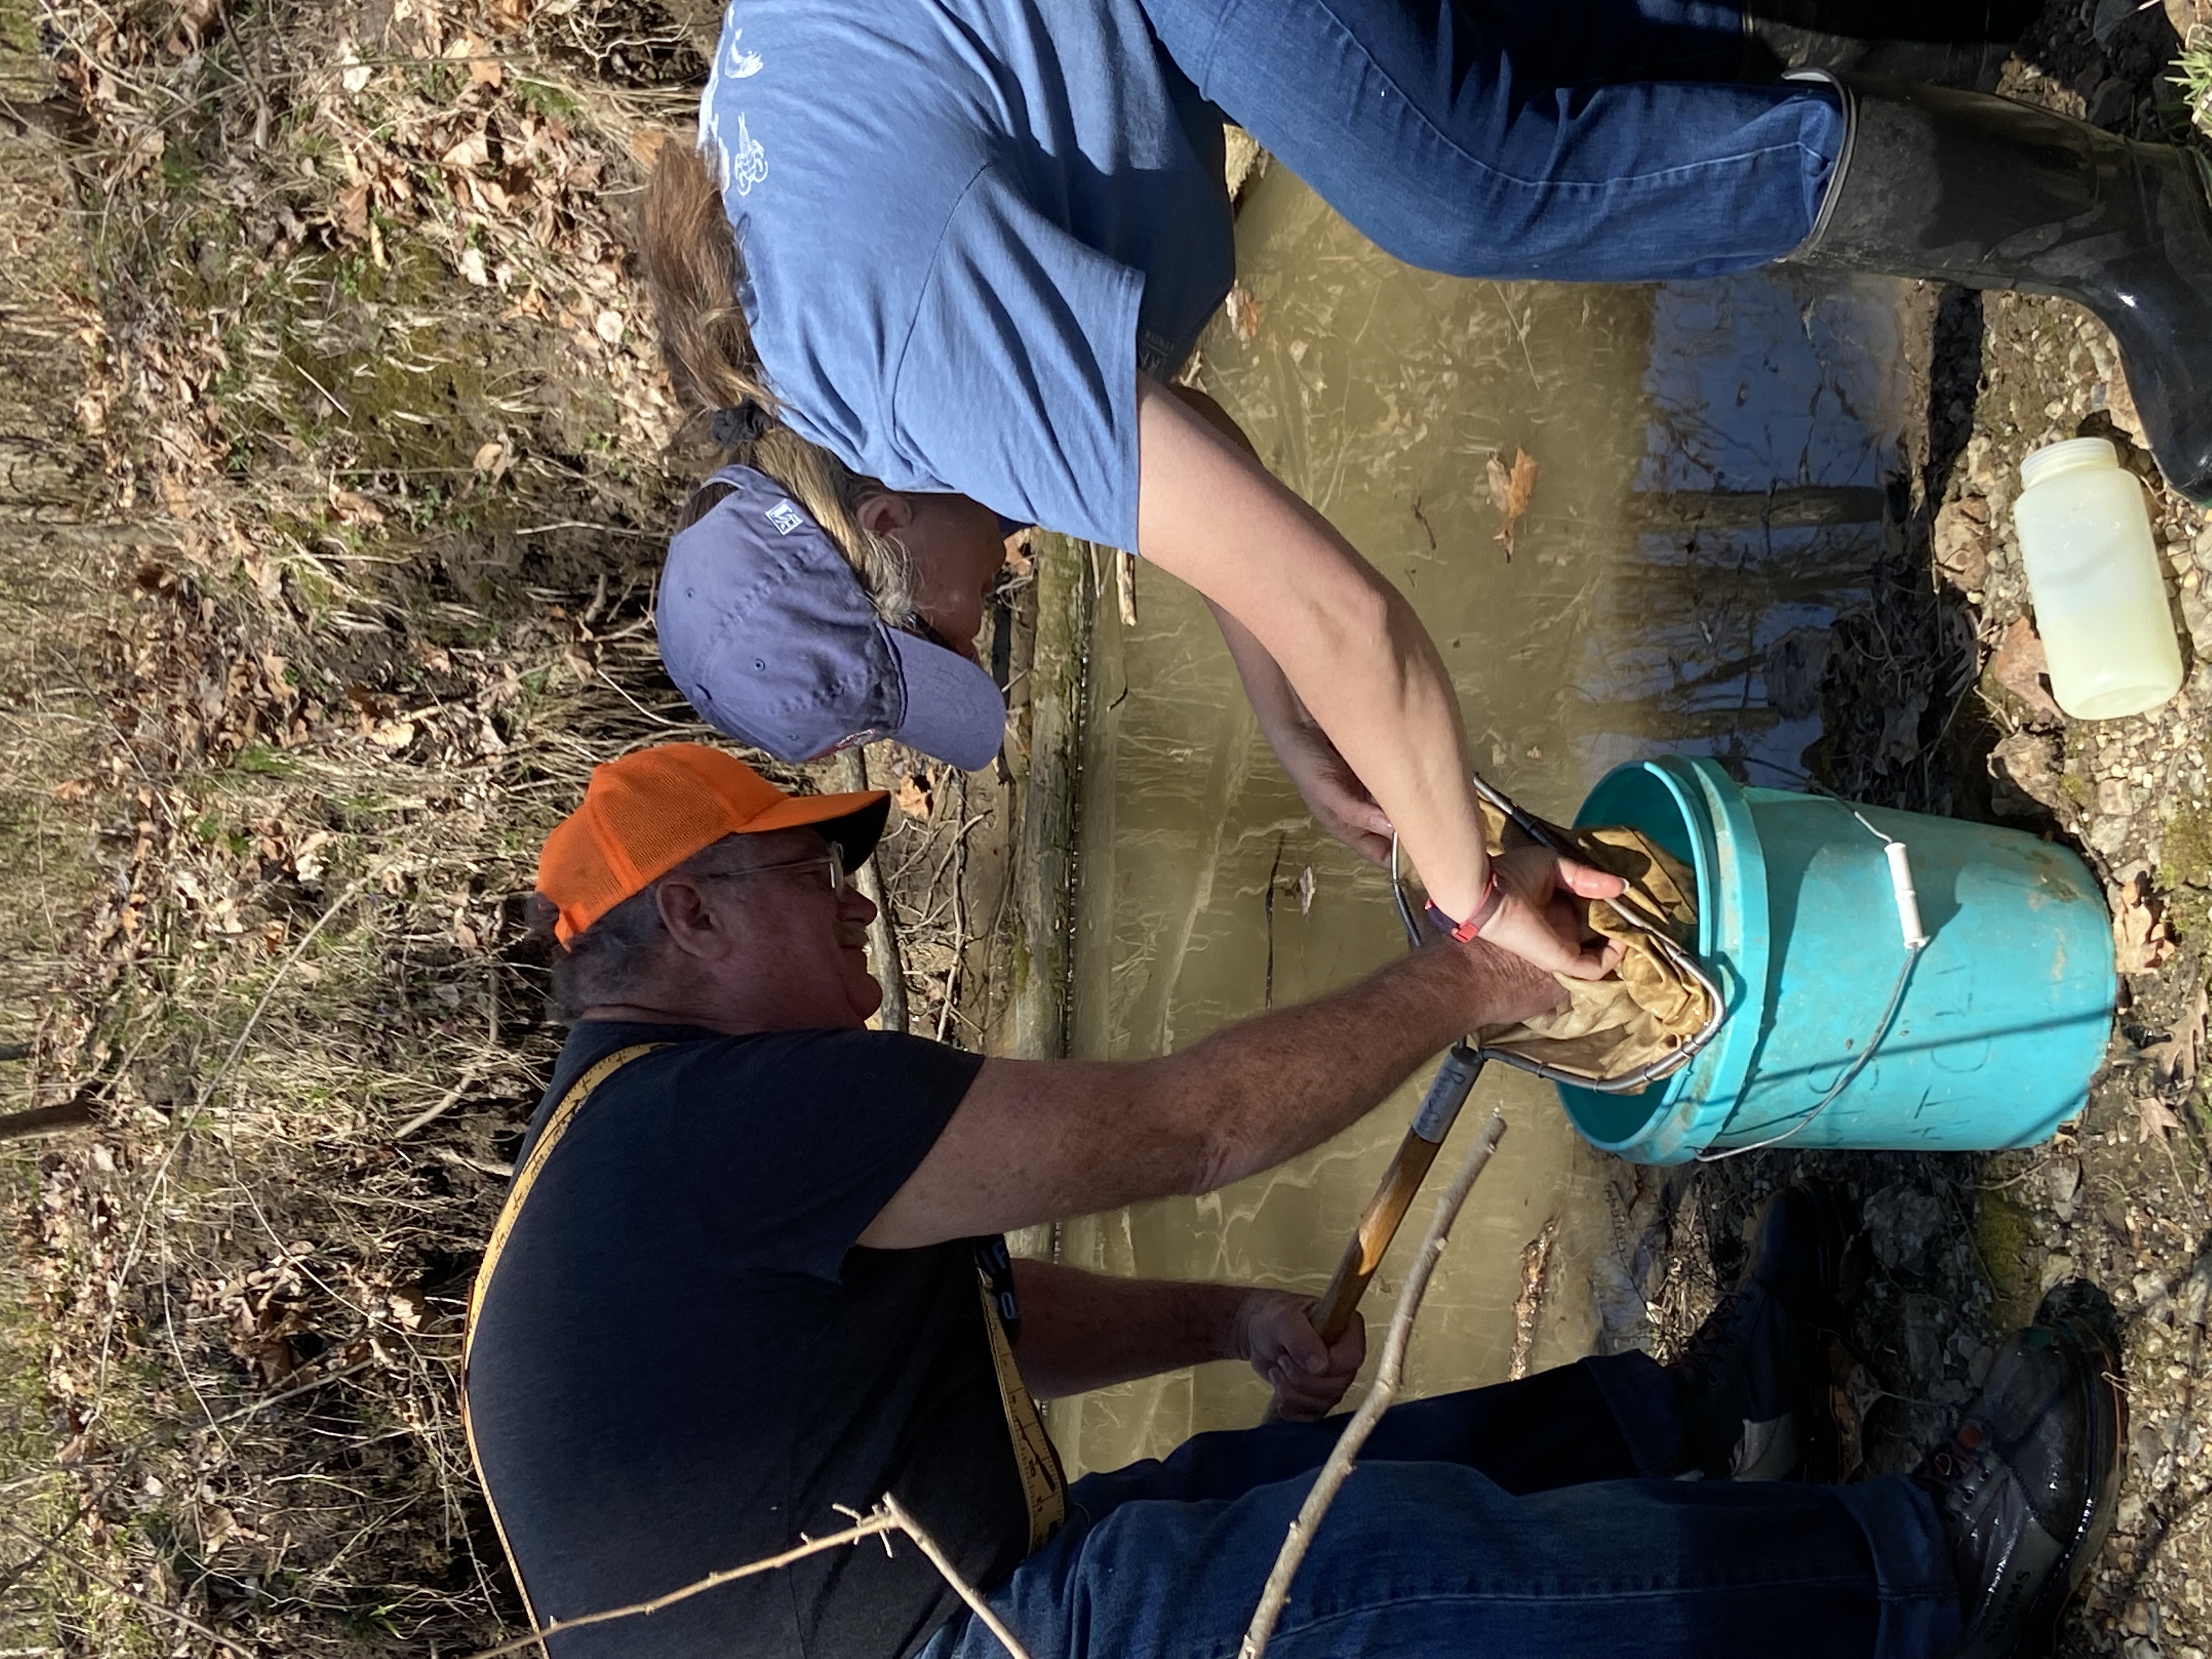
[2027,1487]
[1952,43]
[1956,187]
[1751,1378]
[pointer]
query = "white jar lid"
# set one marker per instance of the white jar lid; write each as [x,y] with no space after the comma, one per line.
[2067,456]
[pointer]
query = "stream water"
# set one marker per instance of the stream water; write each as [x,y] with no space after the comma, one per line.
[1709,461]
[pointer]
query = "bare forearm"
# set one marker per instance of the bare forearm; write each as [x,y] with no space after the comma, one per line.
[1081,1331]
[1357,657]
[1268,1088]
[1266,686]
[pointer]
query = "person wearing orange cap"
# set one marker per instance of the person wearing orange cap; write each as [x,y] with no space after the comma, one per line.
[752,1277]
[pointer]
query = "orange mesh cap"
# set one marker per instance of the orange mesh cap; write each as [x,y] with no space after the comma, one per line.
[646,813]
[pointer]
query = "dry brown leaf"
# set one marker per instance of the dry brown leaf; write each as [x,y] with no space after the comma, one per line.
[2173,1059]
[2139,943]
[350,213]
[472,150]
[1961,541]
[483,68]
[2020,666]
[1243,312]
[1510,491]
[912,797]
[355,509]
[353,75]
[510,15]
[2155,1119]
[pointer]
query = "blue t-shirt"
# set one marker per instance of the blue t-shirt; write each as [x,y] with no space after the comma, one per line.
[965,226]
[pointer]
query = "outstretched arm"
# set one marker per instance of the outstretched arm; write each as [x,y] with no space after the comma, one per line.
[1082,1331]
[1034,1140]
[1355,655]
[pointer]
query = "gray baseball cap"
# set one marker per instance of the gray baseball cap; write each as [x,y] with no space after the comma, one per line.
[765,627]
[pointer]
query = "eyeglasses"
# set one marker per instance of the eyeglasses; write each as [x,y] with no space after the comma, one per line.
[835,859]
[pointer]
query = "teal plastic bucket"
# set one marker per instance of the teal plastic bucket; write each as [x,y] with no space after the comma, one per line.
[2003,1021]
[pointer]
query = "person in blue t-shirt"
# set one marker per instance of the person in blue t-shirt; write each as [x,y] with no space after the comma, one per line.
[936,262]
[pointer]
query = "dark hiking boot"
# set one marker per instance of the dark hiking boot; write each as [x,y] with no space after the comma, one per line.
[1749,1379]
[1956,187]
[1953,43]
[2028,1486]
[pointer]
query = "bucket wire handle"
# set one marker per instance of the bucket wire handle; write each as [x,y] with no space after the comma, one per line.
[1637,1077]
[1916,941]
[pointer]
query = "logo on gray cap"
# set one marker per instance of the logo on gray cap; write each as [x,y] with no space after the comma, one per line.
[765,627]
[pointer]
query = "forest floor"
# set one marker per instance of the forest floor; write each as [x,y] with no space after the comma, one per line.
[329,515]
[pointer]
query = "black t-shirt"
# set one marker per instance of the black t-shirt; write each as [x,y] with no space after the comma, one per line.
[683,1361]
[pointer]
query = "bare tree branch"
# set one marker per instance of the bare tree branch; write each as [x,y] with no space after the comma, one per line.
[878,1521]
[1387,1373]
[46,1120]
[942,1563]
[889,1516]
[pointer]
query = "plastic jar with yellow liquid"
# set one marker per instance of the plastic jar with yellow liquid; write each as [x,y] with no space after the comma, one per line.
[2098,589]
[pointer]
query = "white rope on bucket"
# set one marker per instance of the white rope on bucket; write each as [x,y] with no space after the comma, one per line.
[1916,940]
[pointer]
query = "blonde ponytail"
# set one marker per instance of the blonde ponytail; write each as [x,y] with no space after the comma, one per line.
[691,272]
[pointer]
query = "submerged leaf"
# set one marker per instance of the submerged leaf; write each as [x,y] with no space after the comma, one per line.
[1510,491]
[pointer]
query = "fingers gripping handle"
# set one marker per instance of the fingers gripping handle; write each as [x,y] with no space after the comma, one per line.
[1378,1223]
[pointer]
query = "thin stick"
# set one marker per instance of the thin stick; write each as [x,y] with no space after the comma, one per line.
[274,980]
[430,1115]
[46,1120]
[200,1100]
[877,1521]
[1334,1472]
[938,1559]
[47,1546]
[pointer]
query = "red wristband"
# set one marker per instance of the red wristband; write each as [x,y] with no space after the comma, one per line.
[1493,896]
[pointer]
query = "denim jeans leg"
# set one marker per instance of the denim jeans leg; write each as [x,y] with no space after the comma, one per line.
[1609,1419]
[1423,125]
[1419,1557]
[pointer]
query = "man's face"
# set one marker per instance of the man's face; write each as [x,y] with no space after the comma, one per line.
[806,947]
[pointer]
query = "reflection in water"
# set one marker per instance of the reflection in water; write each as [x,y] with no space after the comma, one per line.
[1683,438]
[1759,515]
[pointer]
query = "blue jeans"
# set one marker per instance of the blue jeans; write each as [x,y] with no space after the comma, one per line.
[1523,1520]
[1569,140]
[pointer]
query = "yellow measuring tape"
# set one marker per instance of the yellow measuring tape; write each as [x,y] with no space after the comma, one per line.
[1044,1483]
